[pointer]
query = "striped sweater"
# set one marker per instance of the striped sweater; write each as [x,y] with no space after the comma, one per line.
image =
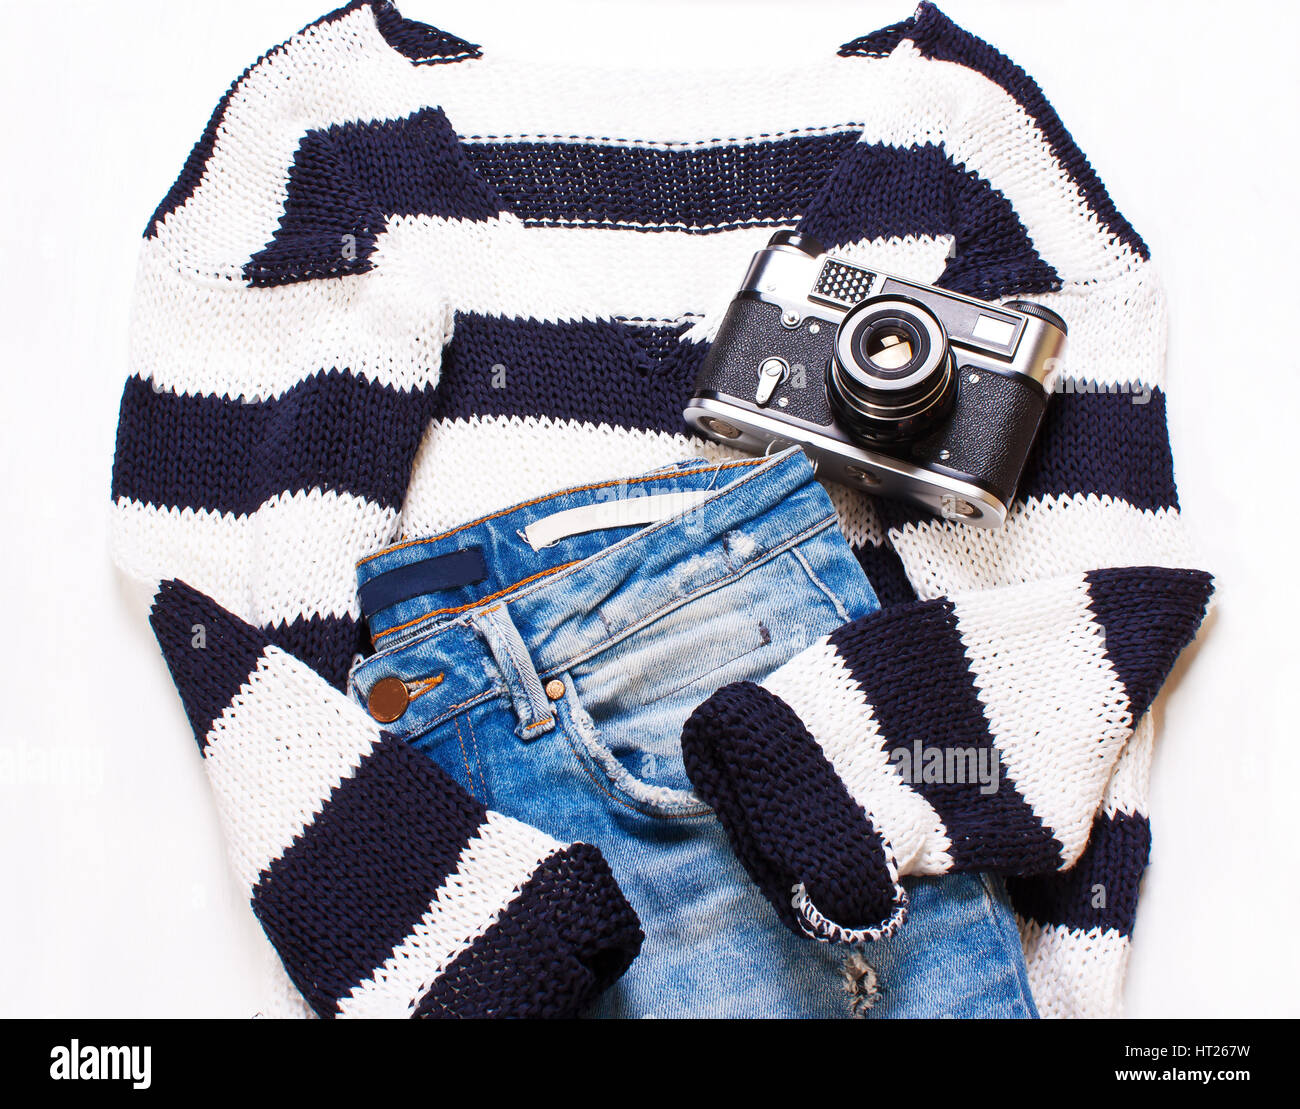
[400,282]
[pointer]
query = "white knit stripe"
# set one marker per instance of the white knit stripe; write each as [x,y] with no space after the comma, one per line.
[1117,327]
[1006,149]
[345,71]
[916,257]
[1057,711]
[523,99]
[1075,974]
[545,455]
[559,273]
[859,516]
[294,557]
[1045,537]
[341,71]
[390,324]
[819,688]
[556,454]
[230,342]
[273,757]
[1130,782]
[222,338]
[493,866]
[582,273]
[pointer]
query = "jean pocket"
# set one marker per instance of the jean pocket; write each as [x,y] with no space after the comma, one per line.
[653,791]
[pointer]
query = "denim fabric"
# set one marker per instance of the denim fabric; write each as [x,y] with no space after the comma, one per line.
[553,685]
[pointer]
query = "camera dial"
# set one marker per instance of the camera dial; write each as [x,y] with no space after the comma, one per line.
[892,375]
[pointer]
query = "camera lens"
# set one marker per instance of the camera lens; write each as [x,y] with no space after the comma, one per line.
[892,375]
[890,348]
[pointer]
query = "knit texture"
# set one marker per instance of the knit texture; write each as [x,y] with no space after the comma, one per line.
[401,280]
[972,733]
[385,888]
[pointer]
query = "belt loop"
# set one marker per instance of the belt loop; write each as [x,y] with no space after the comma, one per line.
[532,706]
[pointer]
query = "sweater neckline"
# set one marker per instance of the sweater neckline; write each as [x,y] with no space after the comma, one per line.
[424,44]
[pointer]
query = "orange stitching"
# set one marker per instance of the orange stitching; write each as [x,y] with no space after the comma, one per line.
[461,608]
[469,774]
[478,759]
[561,493]
[420,688]
[540,723]
[472,700]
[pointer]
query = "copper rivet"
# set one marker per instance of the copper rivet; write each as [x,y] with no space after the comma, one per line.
[555,689]
[388,699]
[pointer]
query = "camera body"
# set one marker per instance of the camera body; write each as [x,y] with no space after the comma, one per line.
[899,389]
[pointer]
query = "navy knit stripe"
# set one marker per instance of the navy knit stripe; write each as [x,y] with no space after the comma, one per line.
[772,181]
[209,652]
[1149,613]
[569,917]
[884,569]
[911,666]
[788,815]
[640,377]
[418,41]
[196,163]
[937,37]
[880,43]
[1101,889]
[880,191]
[364,872]
[332,431]
[1103,443]
[325,643]
[236,455]
[348,179]
[1091,443]
[599,371]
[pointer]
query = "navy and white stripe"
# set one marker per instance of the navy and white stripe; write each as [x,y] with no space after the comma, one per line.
[385,888]
[1049,677]
[400,281]
[933,35]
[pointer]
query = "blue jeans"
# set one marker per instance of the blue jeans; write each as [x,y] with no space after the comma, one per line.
[552,683]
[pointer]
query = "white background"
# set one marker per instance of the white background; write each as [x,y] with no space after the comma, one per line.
[114,892]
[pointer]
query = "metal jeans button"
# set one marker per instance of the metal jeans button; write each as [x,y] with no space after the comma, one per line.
[388,699]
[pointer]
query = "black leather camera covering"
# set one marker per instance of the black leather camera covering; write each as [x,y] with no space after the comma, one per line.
[988,436]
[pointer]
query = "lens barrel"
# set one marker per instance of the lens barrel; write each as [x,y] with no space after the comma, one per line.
[892,375]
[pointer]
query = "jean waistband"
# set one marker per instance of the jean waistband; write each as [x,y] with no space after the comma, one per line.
[435,598]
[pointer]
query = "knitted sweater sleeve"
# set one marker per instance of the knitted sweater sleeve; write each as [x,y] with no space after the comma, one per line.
[280,381]
[995,716]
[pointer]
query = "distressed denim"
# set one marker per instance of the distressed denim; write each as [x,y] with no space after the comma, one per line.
[553,684]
